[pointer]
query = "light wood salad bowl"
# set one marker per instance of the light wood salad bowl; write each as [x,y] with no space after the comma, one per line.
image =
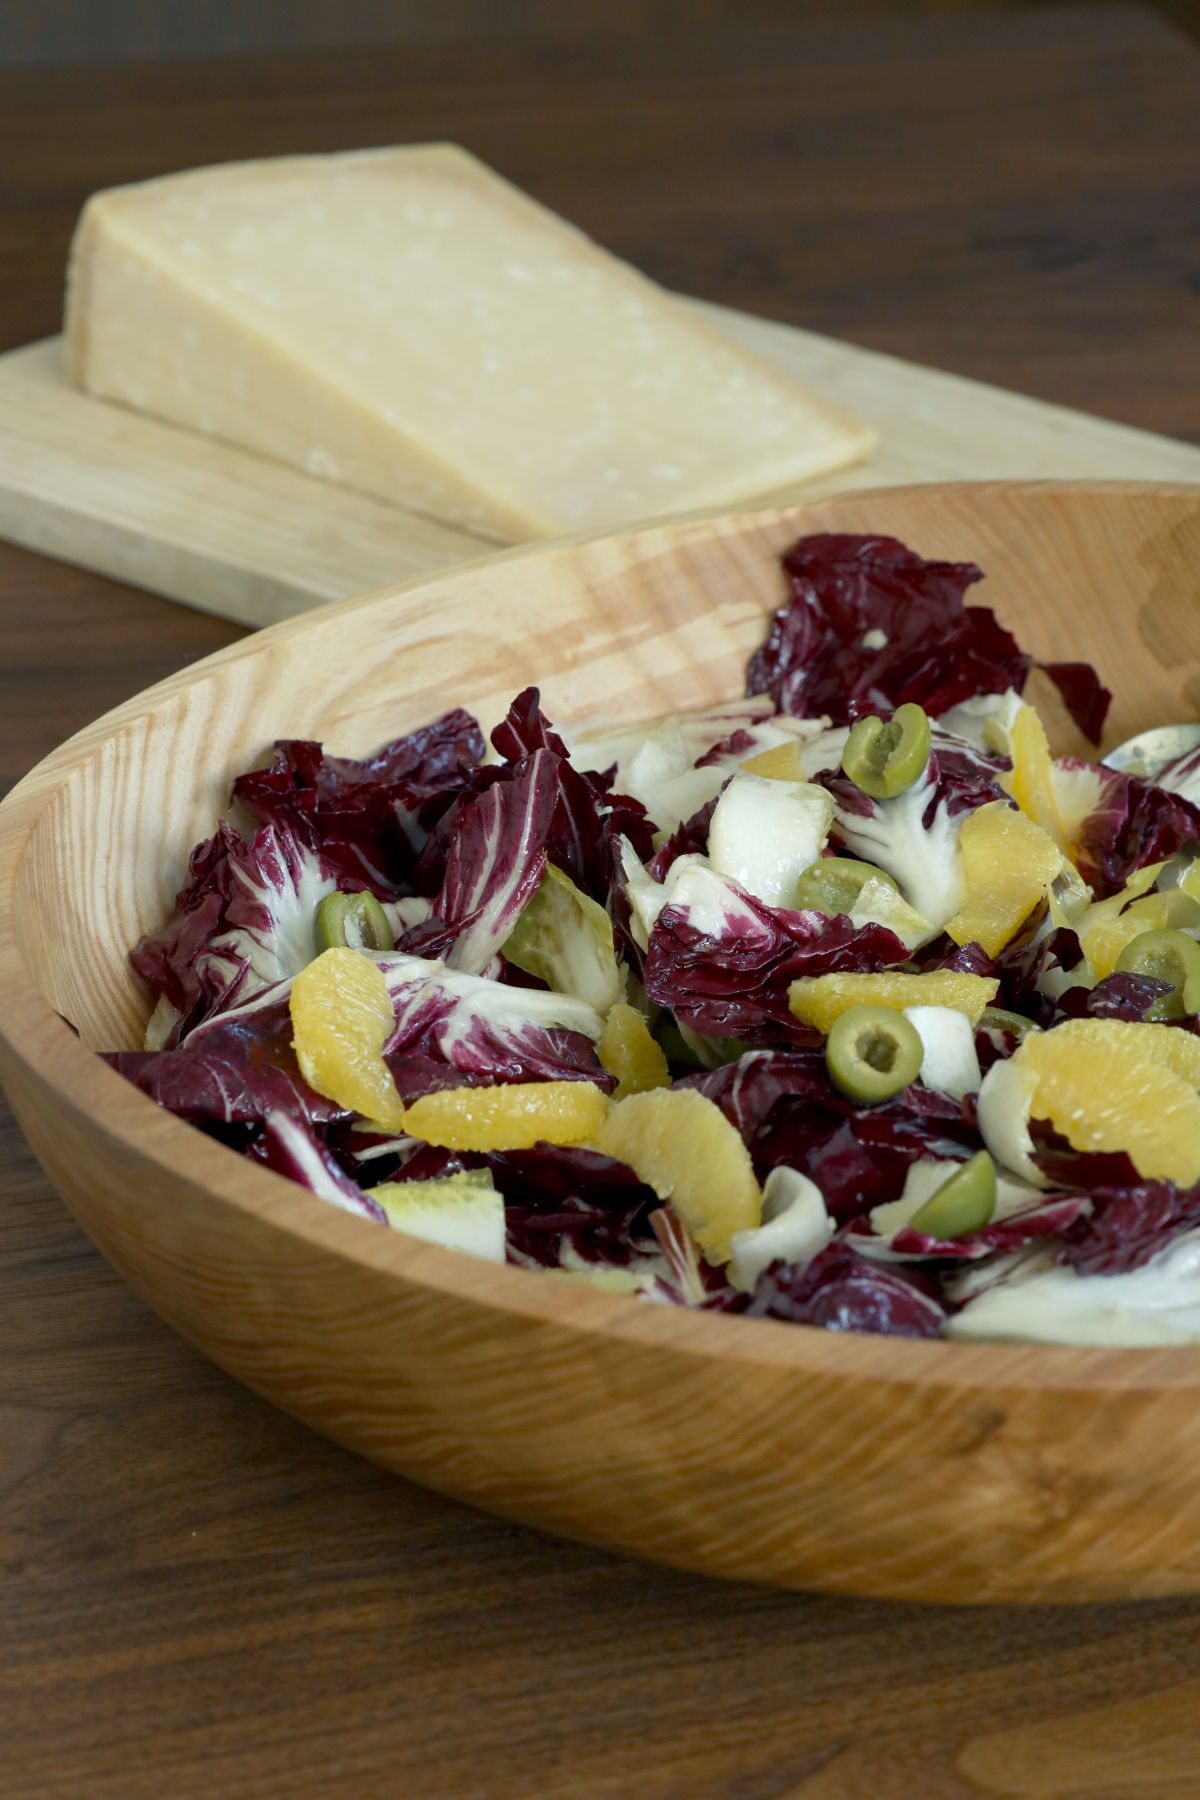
[737,1447]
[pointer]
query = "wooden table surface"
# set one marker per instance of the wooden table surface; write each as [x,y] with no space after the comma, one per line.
[197,1596]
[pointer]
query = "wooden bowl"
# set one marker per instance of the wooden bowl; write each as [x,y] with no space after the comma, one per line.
[738,1447]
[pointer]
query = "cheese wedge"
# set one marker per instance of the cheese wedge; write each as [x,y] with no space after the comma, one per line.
[406,323]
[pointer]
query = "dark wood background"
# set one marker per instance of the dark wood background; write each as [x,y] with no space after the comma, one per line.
[197,1596]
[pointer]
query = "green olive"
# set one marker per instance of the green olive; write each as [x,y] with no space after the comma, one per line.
[356,920]
[833,883]
[1170,956]
[872,1052]
[885,759]
[961,1205]
[997,1018]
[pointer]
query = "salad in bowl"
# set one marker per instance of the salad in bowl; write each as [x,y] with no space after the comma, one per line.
[845,1003]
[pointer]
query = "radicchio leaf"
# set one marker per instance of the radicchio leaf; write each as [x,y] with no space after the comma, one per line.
[235,1068]
[454,1029]
[1083,693]
[588,817]
[1119,996]
[370,817]
[790,1114]
[289,1147]
[1127,1226]
[1046,1218]
[558,1197]
[493,866]
[842,1291]
[1134,824]
[727,974]
[242,921]
[872,625]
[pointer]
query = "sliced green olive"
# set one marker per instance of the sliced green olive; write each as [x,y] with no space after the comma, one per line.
[872,1052]
[1170,956]
[885,759]
[356,920]
[833,883]
[997,1018]
[961,1205]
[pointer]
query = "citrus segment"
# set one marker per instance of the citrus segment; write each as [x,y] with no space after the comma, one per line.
[511,1117]
[341,1018]
[1031,783]
[1108,1085]
[783,762]
[684,1147]
[821,999]
[1008,863]
[627,1051]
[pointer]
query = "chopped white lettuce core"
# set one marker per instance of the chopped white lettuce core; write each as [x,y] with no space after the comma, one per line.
[926,861]
[565,938]
[714,905]
[949,1062]
[1048,1304]
[765,833]
[409,910]
[795,1228]
[1077,792]
[161,1024]
[656,760]
[1005,1103]
[985,720]
[457,1212]
[879,903]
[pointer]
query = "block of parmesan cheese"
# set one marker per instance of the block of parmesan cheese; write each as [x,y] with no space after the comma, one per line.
[407,323]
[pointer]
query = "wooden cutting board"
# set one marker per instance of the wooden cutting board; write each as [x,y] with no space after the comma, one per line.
[255,541]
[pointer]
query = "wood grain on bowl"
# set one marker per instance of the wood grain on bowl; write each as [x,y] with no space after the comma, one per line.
[733,1446]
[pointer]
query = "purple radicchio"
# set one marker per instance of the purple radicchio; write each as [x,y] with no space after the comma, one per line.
[790,1114]
[454,1029]
[234,1068]
[588,816]
[1126,1226]
[872,625]
[566,1205]
[494,863]
[842,1291]
[1131,825]
[723,961]
[370,817]
[243,920]
[289,1147]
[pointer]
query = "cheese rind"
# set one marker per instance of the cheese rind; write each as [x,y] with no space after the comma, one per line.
[406,323]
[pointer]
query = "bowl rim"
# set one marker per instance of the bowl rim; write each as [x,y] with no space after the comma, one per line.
[39,1039]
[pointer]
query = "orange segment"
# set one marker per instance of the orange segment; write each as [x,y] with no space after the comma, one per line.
[1108,1085]
[821,999]
[513,1117]
[782,762]
[684,1147]
[341,1018]
[627,1050]
[1031,783]
[1008,863]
